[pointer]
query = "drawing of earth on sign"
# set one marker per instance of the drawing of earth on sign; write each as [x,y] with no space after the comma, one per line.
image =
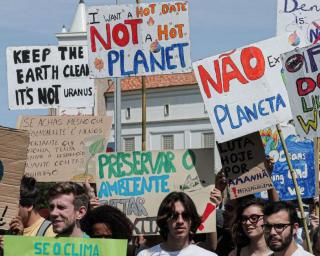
[1,170]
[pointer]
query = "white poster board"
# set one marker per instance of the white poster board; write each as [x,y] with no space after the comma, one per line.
[243,89]
[302,76]
[136,40]
[301,19]
[49,76]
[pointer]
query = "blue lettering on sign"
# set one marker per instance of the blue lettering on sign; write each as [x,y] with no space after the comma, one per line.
[134,186]
[246,114]
[161,60]
[293,5]
[313,34]
[66,249]
[302,160]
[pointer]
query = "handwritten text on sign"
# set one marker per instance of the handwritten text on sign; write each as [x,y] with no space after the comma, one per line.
[48,76]
[63,246]
[301,19]
[135,40]
[301,153]
[243,164]
[301,69]
[133,181]
[243,89]
[58,145]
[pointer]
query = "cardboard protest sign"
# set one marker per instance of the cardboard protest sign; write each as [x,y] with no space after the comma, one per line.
[243,90]
[136,182]
[49,76]
[302,159]
[302,76]
[301,19]
[13,156]
[62,148]
[63,246]
[136,40]
[243,164]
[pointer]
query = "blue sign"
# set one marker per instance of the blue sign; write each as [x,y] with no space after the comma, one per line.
[301,153]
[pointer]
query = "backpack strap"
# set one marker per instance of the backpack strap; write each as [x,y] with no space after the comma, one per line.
[43,228]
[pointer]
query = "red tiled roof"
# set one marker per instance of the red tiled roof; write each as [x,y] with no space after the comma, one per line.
[157,81]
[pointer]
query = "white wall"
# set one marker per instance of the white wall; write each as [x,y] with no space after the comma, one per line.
[187,119]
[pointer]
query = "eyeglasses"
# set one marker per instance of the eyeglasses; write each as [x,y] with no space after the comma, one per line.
[279,227]
[253,219]
[174,216]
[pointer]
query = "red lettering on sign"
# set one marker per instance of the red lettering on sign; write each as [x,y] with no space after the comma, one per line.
[120,34]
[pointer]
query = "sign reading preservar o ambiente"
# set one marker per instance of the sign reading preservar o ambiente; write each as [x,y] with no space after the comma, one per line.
[136,182]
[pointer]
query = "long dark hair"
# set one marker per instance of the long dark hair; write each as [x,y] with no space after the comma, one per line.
[167,209]
[238,235]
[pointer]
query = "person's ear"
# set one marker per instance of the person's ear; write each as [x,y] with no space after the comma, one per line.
[81,212]
[30,208]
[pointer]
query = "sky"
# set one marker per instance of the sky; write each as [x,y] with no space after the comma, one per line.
[216,26]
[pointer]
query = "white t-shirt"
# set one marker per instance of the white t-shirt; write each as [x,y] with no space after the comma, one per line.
[190,250]
[301,252]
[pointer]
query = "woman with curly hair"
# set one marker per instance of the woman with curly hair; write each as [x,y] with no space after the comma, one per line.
[247,230]
[106,221]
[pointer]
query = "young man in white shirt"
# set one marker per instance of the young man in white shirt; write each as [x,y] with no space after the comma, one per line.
[178,221]
[281,223]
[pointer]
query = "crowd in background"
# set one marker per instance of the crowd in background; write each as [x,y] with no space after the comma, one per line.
[244,226]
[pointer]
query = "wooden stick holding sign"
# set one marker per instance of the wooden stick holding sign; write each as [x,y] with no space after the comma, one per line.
[297,189]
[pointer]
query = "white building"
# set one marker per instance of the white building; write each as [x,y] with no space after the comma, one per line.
[176,115]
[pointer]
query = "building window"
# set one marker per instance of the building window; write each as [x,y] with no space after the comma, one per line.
[208,140]
[128,113]
[205,109]
[166,110]
[167,142]
[129,144]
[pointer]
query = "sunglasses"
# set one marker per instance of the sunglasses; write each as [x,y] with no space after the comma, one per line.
[175,216]
[253,219]
[279,227]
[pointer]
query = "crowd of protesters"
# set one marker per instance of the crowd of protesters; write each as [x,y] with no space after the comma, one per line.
[245,226]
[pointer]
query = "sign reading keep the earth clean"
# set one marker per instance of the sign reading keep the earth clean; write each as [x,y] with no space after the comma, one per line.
[48,76]
[136,40]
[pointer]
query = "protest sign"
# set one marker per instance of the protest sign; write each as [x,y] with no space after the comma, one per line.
[135,181]
[63,246]
[243,164]
[136,40]
[48,76]
[13,156]
[243,90]
[301,19]
[62,148]
[302,159]
[302,78]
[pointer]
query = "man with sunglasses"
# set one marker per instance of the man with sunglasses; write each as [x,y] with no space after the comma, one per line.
[178,221]
[281,223]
